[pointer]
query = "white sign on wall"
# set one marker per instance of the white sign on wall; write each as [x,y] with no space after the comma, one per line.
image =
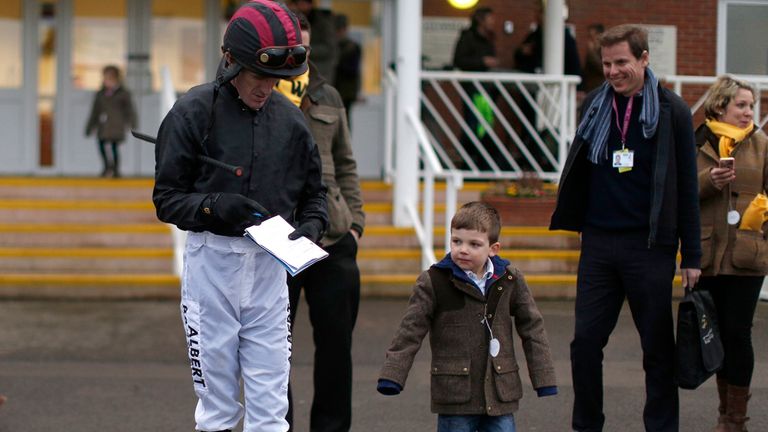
[438,40]
[662,44]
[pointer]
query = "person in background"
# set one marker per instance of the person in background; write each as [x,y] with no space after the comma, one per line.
[348,74]
[475,381]
[529,55]
[592,74]
[475,51]
[734,249]
[633,215]
[325,50]
[112,112]
[234,295]
[331,286]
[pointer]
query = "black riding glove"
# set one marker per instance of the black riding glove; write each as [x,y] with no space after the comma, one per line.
[311,228]
[236,210]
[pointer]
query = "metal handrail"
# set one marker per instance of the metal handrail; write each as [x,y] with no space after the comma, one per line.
[390,91]
[551,98]
[424,226]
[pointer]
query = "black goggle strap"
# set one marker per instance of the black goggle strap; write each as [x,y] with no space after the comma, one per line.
[227,76]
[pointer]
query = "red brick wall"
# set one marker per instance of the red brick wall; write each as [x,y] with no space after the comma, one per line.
[696,22]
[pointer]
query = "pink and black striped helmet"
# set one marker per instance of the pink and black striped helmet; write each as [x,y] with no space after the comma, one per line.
[264,36]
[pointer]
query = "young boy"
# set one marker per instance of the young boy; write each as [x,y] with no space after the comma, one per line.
[468,303]
[112,112]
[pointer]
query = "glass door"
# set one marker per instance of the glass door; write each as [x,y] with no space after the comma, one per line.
[46,80]
[96,37]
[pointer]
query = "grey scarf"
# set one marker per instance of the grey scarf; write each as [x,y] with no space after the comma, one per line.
[596,124]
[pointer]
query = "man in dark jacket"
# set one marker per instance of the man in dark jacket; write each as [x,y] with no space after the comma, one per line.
[476,52]
[630,187]
[348,72]
[332,286]
[234,296]
[325,50]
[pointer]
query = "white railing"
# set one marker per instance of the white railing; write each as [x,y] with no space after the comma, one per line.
[525,123]
[424,226]
[390,92]
[692,86]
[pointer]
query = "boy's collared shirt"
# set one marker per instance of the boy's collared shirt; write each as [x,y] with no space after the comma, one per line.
[480,281]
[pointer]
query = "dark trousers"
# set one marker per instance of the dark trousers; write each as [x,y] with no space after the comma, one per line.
[612,267]
[113,162]
[735,300]
[332,291]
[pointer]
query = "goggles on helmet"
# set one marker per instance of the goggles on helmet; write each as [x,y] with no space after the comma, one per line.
[279,57]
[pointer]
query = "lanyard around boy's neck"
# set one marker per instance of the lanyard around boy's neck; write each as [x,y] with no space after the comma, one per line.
[623,127]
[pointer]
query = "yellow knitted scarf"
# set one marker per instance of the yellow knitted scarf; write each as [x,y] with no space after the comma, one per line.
[729,135]
[294,89]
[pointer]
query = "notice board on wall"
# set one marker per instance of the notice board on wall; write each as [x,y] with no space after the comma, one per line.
[438,40]
[662,45]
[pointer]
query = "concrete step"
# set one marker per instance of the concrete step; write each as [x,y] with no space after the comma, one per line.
[124,189]
[154,234]
[86,260]
[99,238]
[88,285]
[138,189]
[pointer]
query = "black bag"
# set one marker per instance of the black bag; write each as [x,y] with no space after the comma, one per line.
[699,348]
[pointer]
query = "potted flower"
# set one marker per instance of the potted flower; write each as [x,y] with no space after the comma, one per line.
[529,201]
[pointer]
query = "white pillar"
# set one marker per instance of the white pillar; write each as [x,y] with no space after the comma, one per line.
[408,64]
[212,43]
[554,40]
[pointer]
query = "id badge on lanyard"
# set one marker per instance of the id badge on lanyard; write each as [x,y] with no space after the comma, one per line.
[623,159]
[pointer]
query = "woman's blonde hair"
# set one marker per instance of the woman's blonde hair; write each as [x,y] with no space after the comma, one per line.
[721,93]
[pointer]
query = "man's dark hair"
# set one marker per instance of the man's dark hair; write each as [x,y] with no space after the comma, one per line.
[303,22]
[596,27]
[479,15]
[478,216]
[636,37]
[340,21]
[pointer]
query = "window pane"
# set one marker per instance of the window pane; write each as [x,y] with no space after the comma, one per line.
[10,44]
[178,32]
[99,39]
[747,41]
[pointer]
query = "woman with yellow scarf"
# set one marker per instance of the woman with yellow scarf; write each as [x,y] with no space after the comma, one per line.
[735,251]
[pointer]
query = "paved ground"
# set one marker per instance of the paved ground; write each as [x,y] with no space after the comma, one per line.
[120,366]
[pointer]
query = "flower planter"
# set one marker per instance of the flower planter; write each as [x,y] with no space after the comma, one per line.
[525,211]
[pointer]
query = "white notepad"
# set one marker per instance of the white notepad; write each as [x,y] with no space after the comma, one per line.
[294,255]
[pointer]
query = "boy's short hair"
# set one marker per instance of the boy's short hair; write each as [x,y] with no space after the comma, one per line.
[478,216]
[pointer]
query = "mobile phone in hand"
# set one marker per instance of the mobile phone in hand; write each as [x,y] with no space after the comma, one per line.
[727,162]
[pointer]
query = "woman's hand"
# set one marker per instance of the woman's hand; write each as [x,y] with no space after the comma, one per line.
[721,176]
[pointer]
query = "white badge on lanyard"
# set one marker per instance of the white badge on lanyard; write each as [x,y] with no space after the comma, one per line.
[733,217]
[623,158]
[494,346]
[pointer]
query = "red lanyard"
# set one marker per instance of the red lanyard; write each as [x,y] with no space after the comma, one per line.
[623,128]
